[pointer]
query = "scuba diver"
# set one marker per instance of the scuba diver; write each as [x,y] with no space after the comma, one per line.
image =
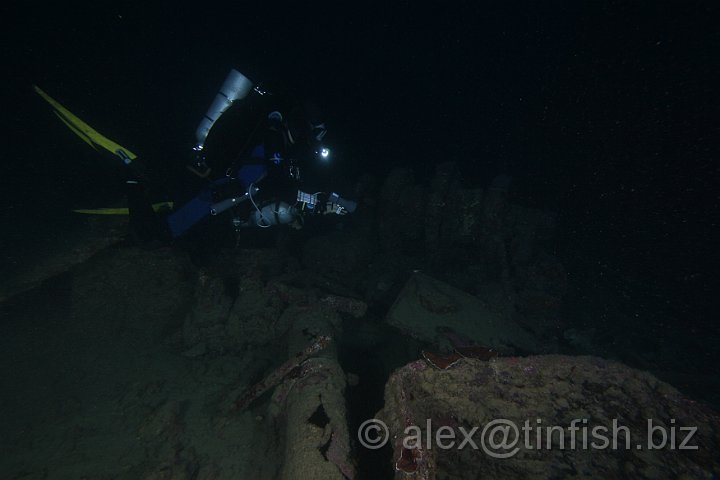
[248,160]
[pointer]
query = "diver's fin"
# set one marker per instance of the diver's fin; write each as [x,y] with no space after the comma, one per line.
[77,132]
[122,211]
[85,131]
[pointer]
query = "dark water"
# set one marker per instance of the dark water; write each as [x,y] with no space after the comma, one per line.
[605,113]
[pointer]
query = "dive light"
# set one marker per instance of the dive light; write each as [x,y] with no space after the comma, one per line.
[323,153]
[235,87]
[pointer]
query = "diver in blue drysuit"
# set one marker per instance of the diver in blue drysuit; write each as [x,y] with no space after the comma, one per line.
[251,167]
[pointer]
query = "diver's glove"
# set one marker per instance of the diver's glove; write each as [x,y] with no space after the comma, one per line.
[197,164]
[318,203]
[338,205]
[334,208]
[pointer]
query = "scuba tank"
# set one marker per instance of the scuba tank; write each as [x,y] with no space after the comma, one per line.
[274,213]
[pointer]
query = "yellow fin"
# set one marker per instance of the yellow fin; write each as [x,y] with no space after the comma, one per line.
[122,210]
[77,132]
[82,129]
